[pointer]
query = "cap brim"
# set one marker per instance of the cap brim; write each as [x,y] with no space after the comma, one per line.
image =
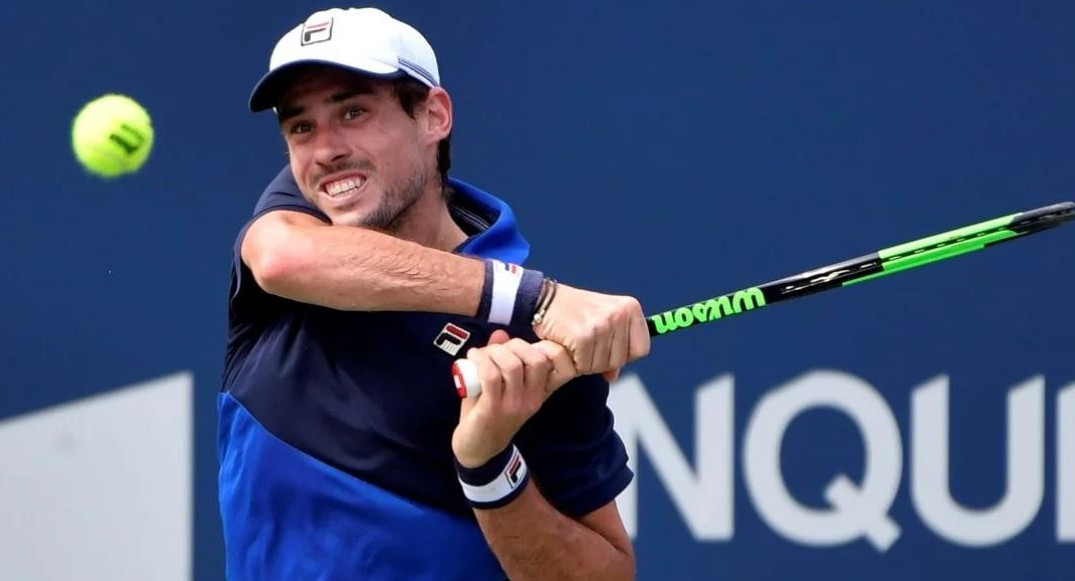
[269,90]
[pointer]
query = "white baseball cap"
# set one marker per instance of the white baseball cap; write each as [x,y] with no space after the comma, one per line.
[365,40]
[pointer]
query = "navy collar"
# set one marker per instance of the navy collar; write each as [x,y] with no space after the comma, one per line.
[502,239]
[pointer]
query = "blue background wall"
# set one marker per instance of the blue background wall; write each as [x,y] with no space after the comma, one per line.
[670,150]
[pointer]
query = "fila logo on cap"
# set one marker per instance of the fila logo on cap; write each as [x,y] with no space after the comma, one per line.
[451,339]
[316,32]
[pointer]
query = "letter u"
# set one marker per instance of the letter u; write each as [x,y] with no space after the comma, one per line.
[930,490]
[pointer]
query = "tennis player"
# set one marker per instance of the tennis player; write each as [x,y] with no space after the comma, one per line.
[364,272]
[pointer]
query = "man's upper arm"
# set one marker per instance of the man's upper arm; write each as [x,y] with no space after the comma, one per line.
[573,452]
[606,521]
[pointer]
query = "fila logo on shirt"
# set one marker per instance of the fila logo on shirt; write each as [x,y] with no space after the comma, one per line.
[316,32]
[451,338]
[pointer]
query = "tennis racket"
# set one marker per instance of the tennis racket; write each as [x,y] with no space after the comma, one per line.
[848,272]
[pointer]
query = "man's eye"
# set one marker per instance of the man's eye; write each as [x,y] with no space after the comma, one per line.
[299,128]
[354,112]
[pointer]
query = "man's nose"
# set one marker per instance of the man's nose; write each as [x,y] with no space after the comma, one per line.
[330,145]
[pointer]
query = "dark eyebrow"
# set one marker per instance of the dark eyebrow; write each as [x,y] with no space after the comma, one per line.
[289,112]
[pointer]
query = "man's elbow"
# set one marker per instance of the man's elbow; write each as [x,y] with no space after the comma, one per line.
[276,261]
[617,564]
[274,271]
[624,569]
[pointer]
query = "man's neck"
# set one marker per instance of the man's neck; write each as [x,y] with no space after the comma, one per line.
[429,223]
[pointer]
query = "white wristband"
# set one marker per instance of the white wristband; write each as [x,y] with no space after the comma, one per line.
[509,477]
[510,294]
[506,279]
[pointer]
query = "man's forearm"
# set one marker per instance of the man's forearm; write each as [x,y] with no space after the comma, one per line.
[357,269]
[535,542]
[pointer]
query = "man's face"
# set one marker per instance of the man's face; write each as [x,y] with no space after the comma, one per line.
[355,153]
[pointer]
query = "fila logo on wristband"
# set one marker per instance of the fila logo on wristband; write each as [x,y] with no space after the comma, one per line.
[506,280]
[515,470]
[502,488]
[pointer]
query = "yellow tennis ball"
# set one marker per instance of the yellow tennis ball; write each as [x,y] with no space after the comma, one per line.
[112,135]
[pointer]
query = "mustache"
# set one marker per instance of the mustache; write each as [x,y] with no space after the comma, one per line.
[353,165]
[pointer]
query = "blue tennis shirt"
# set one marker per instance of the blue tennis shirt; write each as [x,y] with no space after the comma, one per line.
[335,428]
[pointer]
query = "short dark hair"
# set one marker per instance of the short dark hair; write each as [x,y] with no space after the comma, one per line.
[410,93]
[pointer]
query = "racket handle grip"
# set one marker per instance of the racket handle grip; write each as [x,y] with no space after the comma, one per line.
[465,376]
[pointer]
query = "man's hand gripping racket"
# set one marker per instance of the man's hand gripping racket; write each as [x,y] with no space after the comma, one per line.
[882,263]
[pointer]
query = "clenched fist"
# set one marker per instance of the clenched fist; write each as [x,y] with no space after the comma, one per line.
[516,379]
[601,332]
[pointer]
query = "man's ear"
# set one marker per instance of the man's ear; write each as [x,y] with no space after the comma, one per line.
[437,120]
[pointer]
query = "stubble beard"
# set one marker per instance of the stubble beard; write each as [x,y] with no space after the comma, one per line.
[393,211]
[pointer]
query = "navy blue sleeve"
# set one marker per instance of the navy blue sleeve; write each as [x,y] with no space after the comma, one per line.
[282,193]
[578,462]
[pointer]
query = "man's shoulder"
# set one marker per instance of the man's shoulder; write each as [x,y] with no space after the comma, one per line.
[283,192]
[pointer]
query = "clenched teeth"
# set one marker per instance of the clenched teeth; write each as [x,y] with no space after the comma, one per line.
[343,186]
